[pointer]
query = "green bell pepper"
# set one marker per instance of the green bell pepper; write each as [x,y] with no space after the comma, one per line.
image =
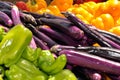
[31,54]
[13,44]
[2,33]
[65,74]
[1,72]
[49,64]
[25,70]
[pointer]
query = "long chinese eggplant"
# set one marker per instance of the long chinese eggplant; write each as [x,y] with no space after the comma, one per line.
[100,39]
[91,61]
[41,35]
[105,52]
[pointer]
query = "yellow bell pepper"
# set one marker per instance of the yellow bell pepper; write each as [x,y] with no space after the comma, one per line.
[32,5]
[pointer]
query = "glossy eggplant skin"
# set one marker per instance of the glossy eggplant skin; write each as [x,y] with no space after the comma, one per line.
[40,43]
[5,19]
[50,42]
[15,14]
[58,36]
[64,26]
[105,52]
[108,53]
[91,61]
[109,35]
[100,39]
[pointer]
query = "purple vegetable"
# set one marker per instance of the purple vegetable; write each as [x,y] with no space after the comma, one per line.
[91,61]
[64,26]
[41,35]
[5,5]
[40,43]
[58,48]
[108,53]
[15,15]
[92,74]
[6,11]
[103,41]
[33,44]
[44,15]
[90,32]
[69,66]
[96,76]
[6,19]
[58,36]
[110,35]
[27,18]
[36,15]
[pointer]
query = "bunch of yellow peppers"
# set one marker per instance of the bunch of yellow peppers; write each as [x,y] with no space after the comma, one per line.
[55,7]
[103,15]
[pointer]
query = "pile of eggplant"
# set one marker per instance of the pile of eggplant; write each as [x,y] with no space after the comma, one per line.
[72,37]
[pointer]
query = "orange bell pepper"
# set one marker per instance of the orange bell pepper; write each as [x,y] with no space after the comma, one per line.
[41,4]
[63,5]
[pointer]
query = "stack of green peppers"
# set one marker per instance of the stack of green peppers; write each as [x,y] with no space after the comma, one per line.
[18,61]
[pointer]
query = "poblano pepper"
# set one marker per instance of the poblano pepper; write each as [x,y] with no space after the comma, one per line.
[65,74]
[49,64]
[25,70]
[13,44]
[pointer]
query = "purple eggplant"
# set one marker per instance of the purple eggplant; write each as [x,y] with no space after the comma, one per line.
[91,61]
[92,74]
[110,35]
[6,11]
[27,18]
[35,15]
[15,15]
[90,32]
[5,5]
[41,35]
[40,43]
[33,44]
[65,39]
[44,15]
[64,26]
[108,53]
[58,48]
[6,19]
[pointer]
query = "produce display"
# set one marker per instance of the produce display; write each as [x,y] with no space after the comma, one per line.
[52,42]
[95,12]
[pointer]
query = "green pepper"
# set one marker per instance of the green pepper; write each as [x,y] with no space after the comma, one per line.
[1,72]
[25,70]
[31,54]
[65,74]
[13,44]
[1,78]
[2,33]
[49,64]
